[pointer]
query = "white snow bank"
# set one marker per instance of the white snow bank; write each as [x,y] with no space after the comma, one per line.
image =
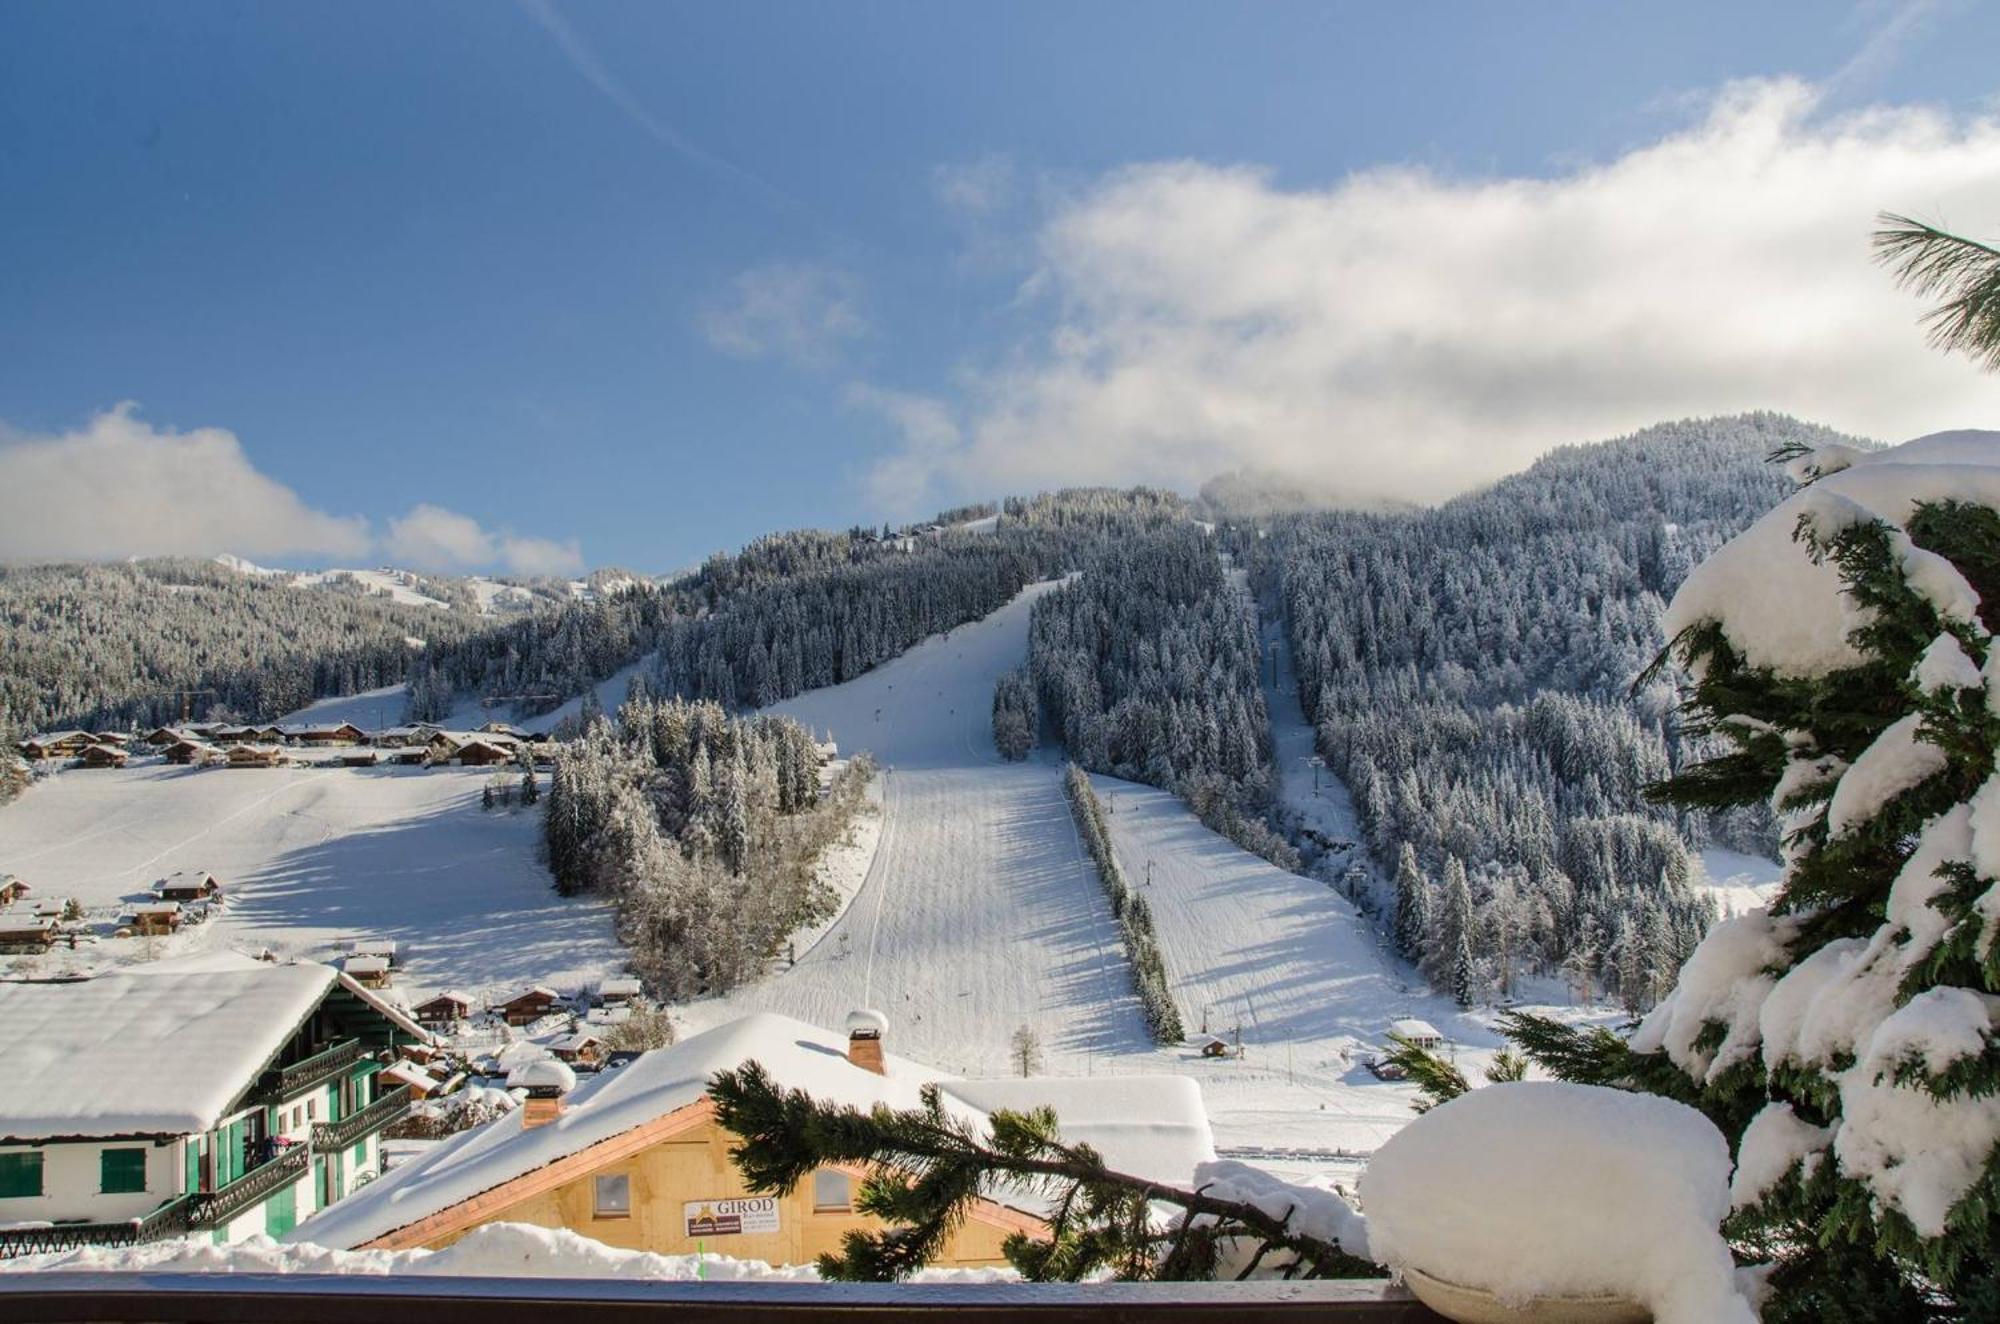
[1542,1189]
[1726,979]
[512,1250]
[1784,611]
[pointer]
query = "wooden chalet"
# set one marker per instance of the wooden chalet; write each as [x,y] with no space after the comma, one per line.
[257,756]
[12,889]
[188,885]
[192,750]
[405,1074]
[483,754]
[103,756]
[581,1049]
[1421,1033]
[359,758]
[615,992]
[339,733]
[156,918]
[409,755]
[367,971]
[447,1011]
[162,736]
[504,729]
[23,932]
[529,1007]
[55,745]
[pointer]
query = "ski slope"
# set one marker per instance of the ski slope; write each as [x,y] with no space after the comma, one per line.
[309,856]
[980,913]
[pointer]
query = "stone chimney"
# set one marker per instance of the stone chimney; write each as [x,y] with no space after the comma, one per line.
[546,1081]
[865,1031]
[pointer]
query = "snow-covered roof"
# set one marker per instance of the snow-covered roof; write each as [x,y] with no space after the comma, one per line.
[372,947]
[458,996]
[366,965]
[187,878]
[625,987]
[160,1053]
[1154,1126]
[1783,610]
[406,1072]
[576,1043]
[539,990]
[158,908]
[1412,1028]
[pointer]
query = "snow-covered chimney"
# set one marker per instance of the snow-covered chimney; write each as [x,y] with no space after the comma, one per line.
[546,1081]
[865,1030]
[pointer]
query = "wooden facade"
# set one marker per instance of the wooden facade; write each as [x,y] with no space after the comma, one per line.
[674,1169]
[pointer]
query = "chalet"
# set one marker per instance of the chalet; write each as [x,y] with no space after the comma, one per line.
[1421,1033]
[103,756]
[55,745]
[529,1007]
[504,729]
[409,754]
[483,753]
[359,758]
[382,947]
[414,733]
[233,735]
[118,738]
[582,1049]
[1210,1045]
[22,932]
[447,1011]
[216,1097]
[612,992]
[12,889]
[162,736]
[636,1158]
[320,734]
[156,919]
[193,751]
[257,756]
[367,971]
[188,885]
[408,1075]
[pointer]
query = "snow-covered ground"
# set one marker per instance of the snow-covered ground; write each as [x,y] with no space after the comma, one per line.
[309,856]
[1739,882]
[372,710]
[1314,801]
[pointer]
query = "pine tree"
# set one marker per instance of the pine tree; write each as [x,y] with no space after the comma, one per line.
[1842,1040]
[1412,904]
[1464,973]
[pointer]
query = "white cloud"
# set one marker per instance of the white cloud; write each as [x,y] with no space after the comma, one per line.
[928,431]
[120,487]
[798,311]
[1407,335]
[432,538]
[976,188]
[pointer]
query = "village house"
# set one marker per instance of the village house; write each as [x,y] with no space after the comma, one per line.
[192,750]
[12,889]
[156,919]
[581,1049]
[407,1074]
[24,933]
[216,1097]
[635,1158]
[1421,1033]
[55,745]
[359,758]
[446,1012]
[162,736]
[484,753]
[103,756]
[367,971]
[258,756]
[619,991]
[319,735]
[504,729]
[188,885]
[382,947]
[528,1007]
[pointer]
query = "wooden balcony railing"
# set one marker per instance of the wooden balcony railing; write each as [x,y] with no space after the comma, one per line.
[169,1220]
[209,1208]
[281,1083]
[111,1298]
[330,1136]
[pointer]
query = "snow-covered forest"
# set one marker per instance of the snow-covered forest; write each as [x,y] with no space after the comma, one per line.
[703,829]
[1468,670]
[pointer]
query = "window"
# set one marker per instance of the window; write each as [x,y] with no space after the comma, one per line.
[21,1173]
[832,1191]
[614,1197]
[121,1171]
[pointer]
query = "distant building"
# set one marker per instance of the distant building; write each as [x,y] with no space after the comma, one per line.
[188,885]
[219,1098]
[192,750]
[12,889]
[528,1007]
[321,734]
[156,919]
[635,1157]
[625,988]
[1421,1033]
[446,1011]
[582,1049]
[55,744]
[258,756]
[367,971]
[103,756]
[24,933]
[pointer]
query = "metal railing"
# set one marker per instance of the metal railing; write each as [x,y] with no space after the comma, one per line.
[330,1136]
[208,1208]
[169,1220]
[282,1082]
[111,1298]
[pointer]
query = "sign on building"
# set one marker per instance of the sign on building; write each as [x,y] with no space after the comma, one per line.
[728,1218]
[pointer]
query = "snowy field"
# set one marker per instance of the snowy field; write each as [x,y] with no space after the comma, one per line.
[309,856]
[1738,882]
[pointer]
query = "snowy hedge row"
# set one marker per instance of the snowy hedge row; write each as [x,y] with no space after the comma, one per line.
[1135,917]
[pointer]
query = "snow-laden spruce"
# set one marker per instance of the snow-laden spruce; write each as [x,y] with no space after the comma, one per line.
[1844,647]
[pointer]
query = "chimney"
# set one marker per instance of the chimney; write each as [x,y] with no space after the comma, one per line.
[865,1029]
[546,1081]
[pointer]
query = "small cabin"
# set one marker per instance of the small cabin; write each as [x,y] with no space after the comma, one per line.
[156,919]
[12,889]
[103,756]
[339,733]
[1209,1045]
[162,736]
[190,750]
[382,947]
[23,933]
[367,971]
[582,1049]
[257,756]
[616,992]
[447,1011]
[359,758]
[503,729]
[188,885]
[405,1072]
[529,1007]
[1421,1033]
[483,754]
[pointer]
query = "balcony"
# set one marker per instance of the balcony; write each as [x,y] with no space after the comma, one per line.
[169,1220]
[209,1208]
[328,1137]
[280,1083]
[105,1298]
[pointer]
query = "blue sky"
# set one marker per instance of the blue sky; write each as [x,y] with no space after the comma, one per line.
[544,285]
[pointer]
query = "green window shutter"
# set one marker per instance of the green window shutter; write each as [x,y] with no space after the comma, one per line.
[192,1149]
[121,1171]
[21,1173]
[361,1152]
[281,1212]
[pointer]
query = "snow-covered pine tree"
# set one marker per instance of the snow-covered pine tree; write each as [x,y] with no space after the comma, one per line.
[1412,904]
[1844,1040]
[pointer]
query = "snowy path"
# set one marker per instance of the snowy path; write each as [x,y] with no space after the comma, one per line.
[979,913]
[1312,797]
